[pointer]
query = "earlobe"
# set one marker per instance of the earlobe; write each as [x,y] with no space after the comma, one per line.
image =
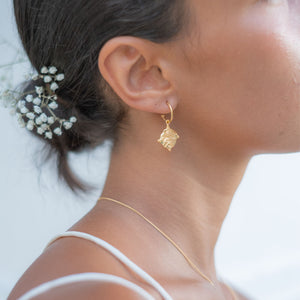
[131,67]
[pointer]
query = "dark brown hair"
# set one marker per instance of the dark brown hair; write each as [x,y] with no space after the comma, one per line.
[69,35]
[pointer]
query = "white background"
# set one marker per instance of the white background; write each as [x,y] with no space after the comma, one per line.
[259,246]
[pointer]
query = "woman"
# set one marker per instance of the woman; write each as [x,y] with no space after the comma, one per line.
[227,71]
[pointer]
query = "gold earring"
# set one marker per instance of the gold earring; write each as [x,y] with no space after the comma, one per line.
[169,136]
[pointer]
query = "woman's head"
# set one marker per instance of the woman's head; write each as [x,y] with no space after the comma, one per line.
[233,77]
[228,68]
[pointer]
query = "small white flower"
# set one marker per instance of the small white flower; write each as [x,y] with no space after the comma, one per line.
[44,126]
[24,110]
[47,79]
[30,115]
[53,105]
[67,125]
[13,103]
[40,130]
[38,121]
[39,90]
[54,97]
[37,101]
[73,119]
[21,122]
[51,120]
[30,125]
[44,117]
[6,98]
[37,109]
[60,77]
[19,116]
[35,77]
[52,70]
[57,131]
[54,86]
[44,70]
[29,98]
[21,104]
[48,135]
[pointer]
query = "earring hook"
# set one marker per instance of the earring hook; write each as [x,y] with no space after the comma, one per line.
[163,116]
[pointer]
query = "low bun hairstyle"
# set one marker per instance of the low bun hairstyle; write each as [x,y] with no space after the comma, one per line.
[69,35]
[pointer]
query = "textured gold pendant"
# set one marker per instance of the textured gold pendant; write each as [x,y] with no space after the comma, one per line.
[168,137]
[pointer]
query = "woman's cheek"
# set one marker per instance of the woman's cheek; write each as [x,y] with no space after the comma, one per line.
[264,64]
[273,45]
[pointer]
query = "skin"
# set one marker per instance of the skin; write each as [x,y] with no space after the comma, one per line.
[232,77]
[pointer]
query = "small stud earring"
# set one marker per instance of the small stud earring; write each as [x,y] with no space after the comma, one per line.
[169,136]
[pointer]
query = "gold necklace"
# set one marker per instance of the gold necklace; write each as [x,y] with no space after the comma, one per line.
[175,245]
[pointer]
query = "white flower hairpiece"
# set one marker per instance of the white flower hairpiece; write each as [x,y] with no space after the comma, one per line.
[29,109]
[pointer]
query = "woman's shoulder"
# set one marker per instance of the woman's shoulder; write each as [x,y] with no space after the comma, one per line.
[67,256]
[88,286]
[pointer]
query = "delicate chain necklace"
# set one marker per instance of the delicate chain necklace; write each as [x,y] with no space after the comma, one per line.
[175,245]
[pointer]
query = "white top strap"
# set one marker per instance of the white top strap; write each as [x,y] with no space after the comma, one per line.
[100,277]
[119,255]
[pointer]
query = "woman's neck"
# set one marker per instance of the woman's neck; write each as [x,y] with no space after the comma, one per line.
[186,193]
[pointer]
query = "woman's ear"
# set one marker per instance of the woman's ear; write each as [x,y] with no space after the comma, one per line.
[133,68]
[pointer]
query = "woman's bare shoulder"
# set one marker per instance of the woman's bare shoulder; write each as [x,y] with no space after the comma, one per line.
[68,256]
[91,290]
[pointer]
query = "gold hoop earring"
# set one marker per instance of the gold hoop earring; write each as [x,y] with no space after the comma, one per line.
[169,136]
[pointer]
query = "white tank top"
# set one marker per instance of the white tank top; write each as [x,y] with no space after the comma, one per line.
[99,277]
